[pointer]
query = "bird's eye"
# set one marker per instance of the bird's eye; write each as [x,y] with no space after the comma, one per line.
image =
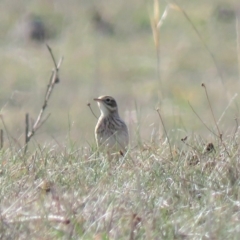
[108,100]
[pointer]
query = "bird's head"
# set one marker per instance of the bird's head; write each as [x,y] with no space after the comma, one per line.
[107,105]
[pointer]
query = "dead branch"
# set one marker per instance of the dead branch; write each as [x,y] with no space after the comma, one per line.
[54,79]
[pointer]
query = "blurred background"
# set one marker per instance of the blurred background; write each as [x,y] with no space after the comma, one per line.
[108,49]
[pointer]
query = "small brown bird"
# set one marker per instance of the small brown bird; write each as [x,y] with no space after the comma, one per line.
[111,132]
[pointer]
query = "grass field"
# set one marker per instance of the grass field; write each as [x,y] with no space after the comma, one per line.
[166,187]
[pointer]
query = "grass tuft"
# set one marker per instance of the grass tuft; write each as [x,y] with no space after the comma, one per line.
[78,193]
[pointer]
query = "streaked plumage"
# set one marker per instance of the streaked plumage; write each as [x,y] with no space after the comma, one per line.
[111,131]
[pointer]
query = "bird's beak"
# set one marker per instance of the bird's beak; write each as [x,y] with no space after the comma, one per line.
[97,99]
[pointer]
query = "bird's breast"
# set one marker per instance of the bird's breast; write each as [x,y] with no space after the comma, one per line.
[112,133]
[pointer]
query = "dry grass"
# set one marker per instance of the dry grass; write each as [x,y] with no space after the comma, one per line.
[75,193]
[180,182]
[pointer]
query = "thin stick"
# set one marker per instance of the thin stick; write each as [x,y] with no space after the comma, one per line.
[201,120]
[43,121]
[57,66]
[53,58]
[209,103]
[89,105]
[220,134]
[158,111]
[53,80]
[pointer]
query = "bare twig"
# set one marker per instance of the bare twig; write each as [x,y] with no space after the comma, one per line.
[201,120]
[43,121]
[170,148]
[219,133]
[55,64]
[89,105]
[39,122]
[209,103]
